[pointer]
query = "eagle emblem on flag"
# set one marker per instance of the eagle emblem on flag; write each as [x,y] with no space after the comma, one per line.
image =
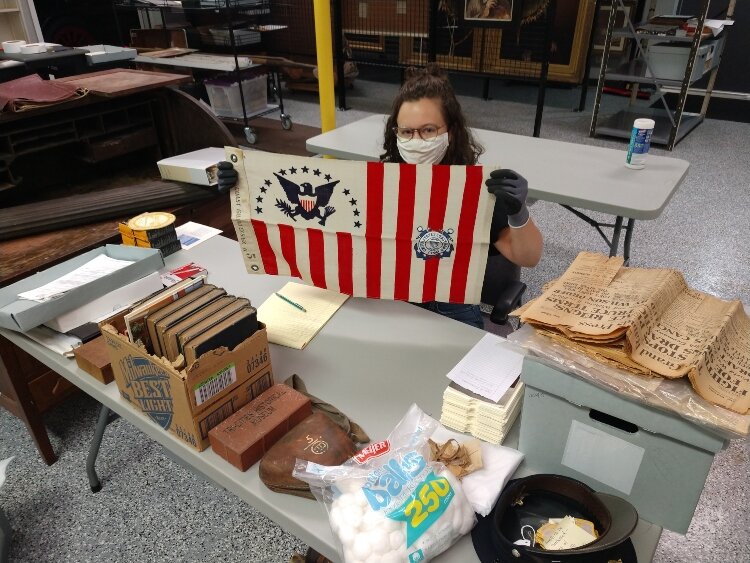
[306,200]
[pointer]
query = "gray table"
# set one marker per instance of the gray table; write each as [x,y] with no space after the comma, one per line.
[573,175]
[372,360]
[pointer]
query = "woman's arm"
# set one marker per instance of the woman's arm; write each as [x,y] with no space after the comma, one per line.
[522,245]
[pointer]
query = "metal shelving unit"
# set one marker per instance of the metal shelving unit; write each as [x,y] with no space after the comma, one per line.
[252,9]
[672,124]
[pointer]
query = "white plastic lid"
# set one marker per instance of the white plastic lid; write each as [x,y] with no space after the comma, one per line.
[644,123]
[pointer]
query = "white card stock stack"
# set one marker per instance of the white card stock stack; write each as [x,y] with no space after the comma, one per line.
[487,420]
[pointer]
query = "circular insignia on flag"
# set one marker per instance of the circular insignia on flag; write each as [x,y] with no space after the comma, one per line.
[433,244]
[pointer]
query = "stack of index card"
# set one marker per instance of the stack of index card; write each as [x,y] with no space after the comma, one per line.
[490,421]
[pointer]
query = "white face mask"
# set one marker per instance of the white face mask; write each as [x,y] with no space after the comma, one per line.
[419,151]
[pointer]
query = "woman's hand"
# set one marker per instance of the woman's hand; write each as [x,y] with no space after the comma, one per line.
[512,189]
[227,176]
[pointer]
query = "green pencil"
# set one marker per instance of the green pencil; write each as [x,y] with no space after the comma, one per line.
[292,303]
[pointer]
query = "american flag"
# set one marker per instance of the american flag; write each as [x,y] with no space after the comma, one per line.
[368,229]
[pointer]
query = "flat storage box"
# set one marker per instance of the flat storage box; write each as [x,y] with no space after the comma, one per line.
[657,461]
[189,402]
[224,94]
[98,54]
[196,167]
[668,61]
[22,314]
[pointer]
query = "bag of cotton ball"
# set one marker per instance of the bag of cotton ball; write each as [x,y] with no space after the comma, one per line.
[390,503]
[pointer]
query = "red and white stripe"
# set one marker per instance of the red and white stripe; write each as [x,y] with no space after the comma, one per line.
[376,260]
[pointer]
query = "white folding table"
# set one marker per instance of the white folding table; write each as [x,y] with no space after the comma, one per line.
[372,360]
[575,176]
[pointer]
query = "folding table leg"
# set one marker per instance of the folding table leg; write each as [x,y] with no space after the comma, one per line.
[105,417]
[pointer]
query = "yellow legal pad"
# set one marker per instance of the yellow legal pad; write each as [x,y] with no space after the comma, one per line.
[289,326]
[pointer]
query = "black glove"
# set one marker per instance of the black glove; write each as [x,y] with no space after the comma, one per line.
[227,176]
[512,189]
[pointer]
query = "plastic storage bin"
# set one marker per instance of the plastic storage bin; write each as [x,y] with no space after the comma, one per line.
[224,94]
[655,460]
[668,61]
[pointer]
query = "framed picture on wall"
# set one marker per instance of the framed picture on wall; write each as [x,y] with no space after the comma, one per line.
[489,11]
[519,51]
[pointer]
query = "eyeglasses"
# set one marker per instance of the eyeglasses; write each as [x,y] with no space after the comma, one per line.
[426,133]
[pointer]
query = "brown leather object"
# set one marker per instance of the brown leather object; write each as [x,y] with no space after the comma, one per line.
[33,89]
[317,439]
[244,437]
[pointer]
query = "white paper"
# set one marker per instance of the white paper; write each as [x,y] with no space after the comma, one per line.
[107,305]
[608,459]
[716,26]
[568,536]
[489,369]
[55,341]
[192,234]
[92,270]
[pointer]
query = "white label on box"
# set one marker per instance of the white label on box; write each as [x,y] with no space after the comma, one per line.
[363,9]
[606,458]
[215,384]
[400,7]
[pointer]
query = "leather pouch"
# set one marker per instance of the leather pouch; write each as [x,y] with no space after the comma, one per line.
[317,439]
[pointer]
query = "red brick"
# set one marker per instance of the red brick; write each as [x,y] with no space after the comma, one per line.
[244,437]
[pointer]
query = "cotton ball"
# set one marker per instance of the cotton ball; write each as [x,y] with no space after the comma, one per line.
[360,499]
[380,541]
[352,514]
[457,519]
[334,517]
[345,499]
[374,559]
[348,556]
[467,524]
[393,525]
[347,534]
[372,519]
[391,557]
[361,548]
[396,539]
[350,486]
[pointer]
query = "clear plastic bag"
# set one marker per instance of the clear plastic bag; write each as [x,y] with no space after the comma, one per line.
[389,503]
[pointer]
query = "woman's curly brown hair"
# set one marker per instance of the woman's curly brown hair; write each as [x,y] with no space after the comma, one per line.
[432,82]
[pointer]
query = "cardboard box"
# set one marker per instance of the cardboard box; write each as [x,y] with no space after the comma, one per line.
[656,460]
[93,358]
[22,314]
[189,402]
[197,167]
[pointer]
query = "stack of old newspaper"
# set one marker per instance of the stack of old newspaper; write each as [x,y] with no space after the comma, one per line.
[648,321]
[482,418]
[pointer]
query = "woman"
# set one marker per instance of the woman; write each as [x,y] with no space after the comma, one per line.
[427,126]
